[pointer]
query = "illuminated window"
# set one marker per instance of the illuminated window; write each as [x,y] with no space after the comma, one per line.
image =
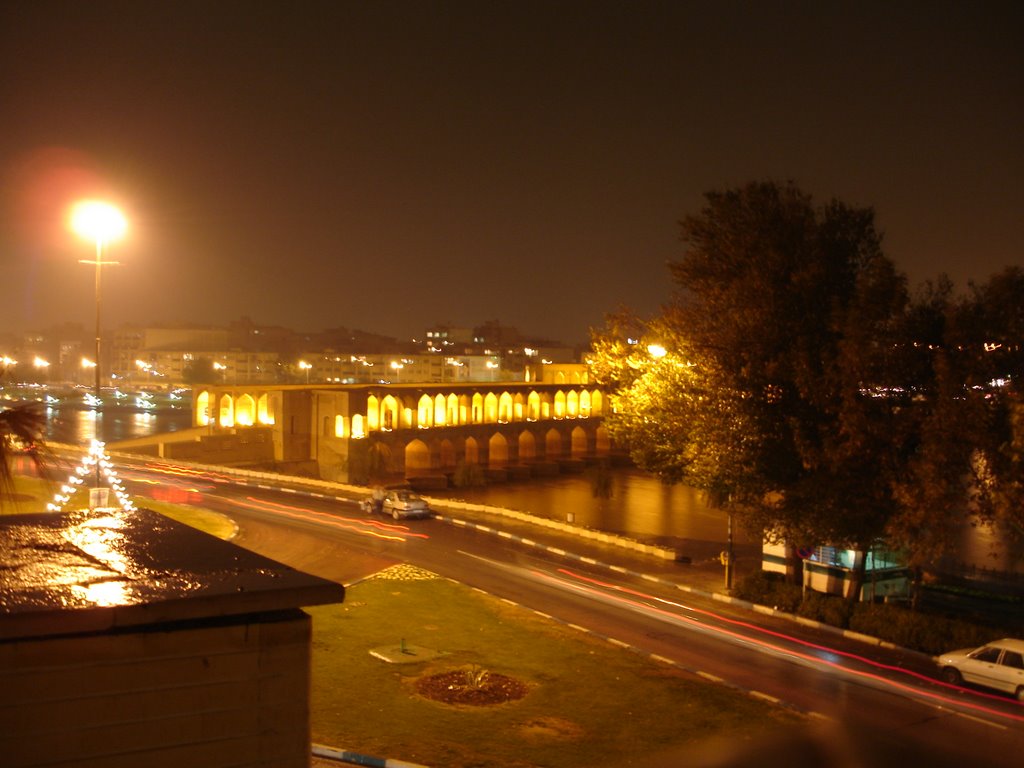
[559,405]
[357,426]
[203,408]
[339,426]
[227,412]
[245,411]
[264,410]
[424,411]
[572,404]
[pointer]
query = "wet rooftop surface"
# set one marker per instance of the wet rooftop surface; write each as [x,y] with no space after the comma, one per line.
[95,570]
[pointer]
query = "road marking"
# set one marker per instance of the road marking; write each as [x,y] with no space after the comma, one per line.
[709,676]
[578,627]
[663,659]
[765,697]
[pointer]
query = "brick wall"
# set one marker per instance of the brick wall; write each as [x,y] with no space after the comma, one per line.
[201,694]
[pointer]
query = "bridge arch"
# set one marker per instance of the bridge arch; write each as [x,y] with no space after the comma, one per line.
[245,410]
[203,411]
[497,450]
[424,412]
[552,444]
[226,414]
[447,454]
[265,410]
[417,457]
[472,451]
[572,404]
[505,408]
[490,408]
[579,442]
[527,446]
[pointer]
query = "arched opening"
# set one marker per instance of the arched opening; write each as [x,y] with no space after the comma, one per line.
[478,409]
[559,405]
[245,411]
[452,418]
[505,408]
[572,404]
[417,458]
[579,442]
[545,406]
[497,450]
[602,443]
[518,412]
[226,414]
[472,451]
[597,403]
[372,413]
[533,407]
[424,412]
[388,413]
[357,425]
[440,411]
[464,410]
[339,426]
[560,377]
[552,444]
[265,410]
[447,455]
[490,408]
[575,377]
[527,446]
[584,404]
[203,412]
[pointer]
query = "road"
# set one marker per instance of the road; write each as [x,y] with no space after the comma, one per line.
[879,706]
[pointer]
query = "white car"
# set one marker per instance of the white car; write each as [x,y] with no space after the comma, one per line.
[999,665]
[400,504]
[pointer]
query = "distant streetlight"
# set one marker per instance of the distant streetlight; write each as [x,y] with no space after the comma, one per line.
[222,368]
[40,365]
[493,366]
[303,365]
[100,223]
[397,368]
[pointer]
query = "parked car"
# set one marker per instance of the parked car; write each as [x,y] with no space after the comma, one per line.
[998,665]
[397,503]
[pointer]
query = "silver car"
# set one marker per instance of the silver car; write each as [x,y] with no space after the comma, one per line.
[998,665]
[402,503]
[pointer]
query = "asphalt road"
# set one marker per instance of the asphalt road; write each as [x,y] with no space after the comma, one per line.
[875,706]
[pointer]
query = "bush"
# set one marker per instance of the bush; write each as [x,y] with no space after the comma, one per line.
[829,609]
[769,589]
[919,631]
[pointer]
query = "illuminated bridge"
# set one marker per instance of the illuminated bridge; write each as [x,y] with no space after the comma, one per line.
[354,432]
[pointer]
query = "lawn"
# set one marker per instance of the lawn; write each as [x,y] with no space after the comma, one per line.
[589,703]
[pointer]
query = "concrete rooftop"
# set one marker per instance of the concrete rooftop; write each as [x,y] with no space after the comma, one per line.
[97,570]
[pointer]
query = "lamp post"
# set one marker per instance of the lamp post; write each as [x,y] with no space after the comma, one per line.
[397,368]
[101,223]
[303,365]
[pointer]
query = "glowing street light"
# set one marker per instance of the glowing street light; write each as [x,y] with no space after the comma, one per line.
[656,351]
[397,368]
[303,365]
[99,223]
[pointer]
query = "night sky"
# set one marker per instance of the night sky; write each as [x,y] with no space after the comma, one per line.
[391,165]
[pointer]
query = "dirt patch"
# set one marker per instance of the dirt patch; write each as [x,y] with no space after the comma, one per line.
[471,687]
[551,729]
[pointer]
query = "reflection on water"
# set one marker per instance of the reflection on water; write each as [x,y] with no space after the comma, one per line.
[641,506]
[79,426]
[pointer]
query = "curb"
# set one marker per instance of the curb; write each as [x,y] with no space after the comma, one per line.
[355,758]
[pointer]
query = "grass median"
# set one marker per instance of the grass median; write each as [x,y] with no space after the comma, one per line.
[589,703]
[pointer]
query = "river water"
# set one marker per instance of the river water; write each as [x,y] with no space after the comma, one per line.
[640,506]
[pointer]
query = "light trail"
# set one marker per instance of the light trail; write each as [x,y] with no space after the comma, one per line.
[583,584]
[385,531]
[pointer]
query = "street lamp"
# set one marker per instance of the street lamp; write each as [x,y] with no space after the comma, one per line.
[397,368]
[100,223]
[305,367]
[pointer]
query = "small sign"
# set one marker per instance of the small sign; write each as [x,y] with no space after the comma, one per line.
[98,497]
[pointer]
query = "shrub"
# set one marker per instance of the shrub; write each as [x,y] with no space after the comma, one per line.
[829,609]
[919,631]
[769,589]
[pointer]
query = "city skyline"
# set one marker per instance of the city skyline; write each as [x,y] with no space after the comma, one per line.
[392,166]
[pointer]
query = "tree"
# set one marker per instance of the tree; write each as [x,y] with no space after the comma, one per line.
[21,426]
[776,395]
[199,371]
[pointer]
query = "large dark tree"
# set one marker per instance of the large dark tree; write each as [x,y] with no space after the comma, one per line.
[780,394]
